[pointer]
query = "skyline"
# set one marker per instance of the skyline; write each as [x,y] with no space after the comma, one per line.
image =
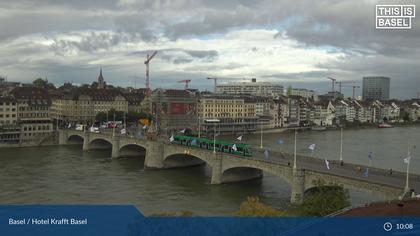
[298,45]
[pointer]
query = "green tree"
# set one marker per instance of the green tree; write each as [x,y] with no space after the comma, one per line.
[289,90]
[406,117]
[133,116]
[101,117]
[253,207]
[40,83]
[323,200]
[119,115]
[94,85]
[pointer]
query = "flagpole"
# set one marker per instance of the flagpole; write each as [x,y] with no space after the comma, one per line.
[261,143]
[406,189]
[214,138]
[199,127]
[341,147]
[113,127]
[294,155]
[125,125]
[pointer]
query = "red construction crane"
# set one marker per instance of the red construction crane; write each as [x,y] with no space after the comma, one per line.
[215,83]
[186,81]
[146,62]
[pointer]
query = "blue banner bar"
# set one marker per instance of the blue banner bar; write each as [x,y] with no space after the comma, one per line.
[127,220]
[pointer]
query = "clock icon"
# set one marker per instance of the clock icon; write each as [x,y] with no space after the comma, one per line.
[387,226]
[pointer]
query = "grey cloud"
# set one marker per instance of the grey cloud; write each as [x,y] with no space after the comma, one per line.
[336,26]
[208,54]
[181,56]
[182,61]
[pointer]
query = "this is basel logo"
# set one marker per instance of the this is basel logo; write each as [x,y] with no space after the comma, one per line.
[394,16]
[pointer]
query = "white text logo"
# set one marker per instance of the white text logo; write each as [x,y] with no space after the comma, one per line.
[394,16]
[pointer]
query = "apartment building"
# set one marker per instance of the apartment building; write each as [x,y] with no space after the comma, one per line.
[251,88]
[82,104]
[33,113]
[9,128]
[236,113]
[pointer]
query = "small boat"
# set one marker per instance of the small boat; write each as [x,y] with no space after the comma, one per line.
[384,125]
[318,128]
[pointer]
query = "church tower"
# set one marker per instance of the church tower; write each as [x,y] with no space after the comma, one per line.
[101,81]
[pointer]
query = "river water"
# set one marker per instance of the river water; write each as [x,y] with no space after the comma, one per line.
[67,175]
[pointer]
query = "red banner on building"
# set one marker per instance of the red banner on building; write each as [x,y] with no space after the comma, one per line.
[181,108]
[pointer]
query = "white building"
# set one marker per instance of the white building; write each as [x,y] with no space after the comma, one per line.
[323,114]
[253,88]
[414,111]
[306,93]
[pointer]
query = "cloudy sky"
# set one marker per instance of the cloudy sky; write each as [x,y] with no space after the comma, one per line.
[295,43]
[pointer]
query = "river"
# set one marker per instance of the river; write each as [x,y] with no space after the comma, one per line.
[67,175]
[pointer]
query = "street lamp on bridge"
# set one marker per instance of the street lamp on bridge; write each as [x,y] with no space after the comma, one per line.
[214,121]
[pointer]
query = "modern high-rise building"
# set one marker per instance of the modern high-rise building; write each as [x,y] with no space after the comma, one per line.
[251,88]
[376,88]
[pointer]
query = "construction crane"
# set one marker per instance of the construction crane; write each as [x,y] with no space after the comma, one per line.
[342,82]
[147,62]
[354,87]
[332,83]
[215,83]
[186,81]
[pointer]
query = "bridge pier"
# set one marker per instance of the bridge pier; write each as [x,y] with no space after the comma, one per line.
[115,147]
[298,186]
[62,137]
[154,155]
[85,141]
[216,170]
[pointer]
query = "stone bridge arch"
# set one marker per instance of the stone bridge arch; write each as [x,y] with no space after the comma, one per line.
[182,156]
[99,143]
[384,191]
[131,149]
[247,165]
[75,138]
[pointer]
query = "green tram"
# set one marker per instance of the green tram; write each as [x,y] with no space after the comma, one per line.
[242,149]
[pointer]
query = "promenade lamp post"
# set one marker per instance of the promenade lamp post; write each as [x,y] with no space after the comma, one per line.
[341,147]
[261,139]
[199,127]
[407,188]
[214,121]
[125,125]
[113,127]
[294,153]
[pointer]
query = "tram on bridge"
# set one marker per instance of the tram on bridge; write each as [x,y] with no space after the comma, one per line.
[241,149]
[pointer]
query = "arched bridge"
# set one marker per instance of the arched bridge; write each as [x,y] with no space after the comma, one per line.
[231,168]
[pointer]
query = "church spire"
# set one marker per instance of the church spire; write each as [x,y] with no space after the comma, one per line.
[101,81]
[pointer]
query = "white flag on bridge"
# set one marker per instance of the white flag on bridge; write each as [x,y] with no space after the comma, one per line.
[407,159]
[312,147]
[171,139]
[327,163]
[234,148]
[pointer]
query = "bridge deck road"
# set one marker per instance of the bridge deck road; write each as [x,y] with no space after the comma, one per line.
[376,175]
